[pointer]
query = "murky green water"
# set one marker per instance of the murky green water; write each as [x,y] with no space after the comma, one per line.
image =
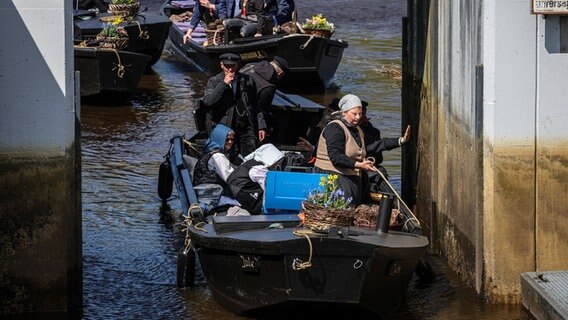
[130,252]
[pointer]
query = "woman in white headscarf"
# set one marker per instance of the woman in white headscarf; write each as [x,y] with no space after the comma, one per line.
[341,149]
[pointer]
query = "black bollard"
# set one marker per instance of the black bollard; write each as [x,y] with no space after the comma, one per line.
[186,268]
[385,212]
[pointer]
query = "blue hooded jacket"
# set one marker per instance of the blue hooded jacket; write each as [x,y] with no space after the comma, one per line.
[217,138]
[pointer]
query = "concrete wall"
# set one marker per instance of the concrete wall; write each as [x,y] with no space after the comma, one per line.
[490,157]
[40,209]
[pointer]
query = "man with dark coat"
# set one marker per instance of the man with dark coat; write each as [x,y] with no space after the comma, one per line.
[266,76]
[230,99]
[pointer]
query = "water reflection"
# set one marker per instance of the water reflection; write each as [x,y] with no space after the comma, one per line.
[130,250]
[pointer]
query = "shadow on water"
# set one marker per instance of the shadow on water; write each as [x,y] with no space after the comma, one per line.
[130,240]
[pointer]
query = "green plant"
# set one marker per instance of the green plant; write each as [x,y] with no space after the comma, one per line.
[113,29]
[331,197]
[318,22]
[123,1]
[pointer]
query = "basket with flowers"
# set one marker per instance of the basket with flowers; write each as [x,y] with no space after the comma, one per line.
[327,207]
[319,26]
[124,8]
[113,35]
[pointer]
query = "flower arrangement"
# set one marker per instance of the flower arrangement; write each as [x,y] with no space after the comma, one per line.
[331,197]
[318,22]
[113,29]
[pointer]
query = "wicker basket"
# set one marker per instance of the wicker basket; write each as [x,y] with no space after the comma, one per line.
[319,33]
[320,219]
[366,217]
[123,9]
[112,43]
[215,37]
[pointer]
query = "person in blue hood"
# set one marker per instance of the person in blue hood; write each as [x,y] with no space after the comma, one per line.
[218,160]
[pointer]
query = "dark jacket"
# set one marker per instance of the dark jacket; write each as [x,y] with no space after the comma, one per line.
[374,144]
[199,10]
[335,138]
[264,77]
[224,105]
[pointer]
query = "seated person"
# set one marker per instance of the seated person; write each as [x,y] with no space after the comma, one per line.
[247,181]
[217,162]
[257,11]
[206,10]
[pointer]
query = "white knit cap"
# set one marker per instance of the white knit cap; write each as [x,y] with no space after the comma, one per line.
[349,102]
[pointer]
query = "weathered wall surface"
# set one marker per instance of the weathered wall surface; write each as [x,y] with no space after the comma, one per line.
[40,191]
[490,164]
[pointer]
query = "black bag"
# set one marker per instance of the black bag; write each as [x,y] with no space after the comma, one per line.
[247,192]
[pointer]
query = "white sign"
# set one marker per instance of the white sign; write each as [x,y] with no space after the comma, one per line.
[550,6]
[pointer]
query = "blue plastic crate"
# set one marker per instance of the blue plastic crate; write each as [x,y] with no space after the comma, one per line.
[285,191]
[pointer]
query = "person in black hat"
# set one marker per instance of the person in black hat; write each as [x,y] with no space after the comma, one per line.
[230,98]
[266,76]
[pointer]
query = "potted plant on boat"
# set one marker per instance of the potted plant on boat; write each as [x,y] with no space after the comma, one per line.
[327,207]
[319,26]
[113,35]
[125,8]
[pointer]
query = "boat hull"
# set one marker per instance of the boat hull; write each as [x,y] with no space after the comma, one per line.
[156,26]
[312,60]
[253,270]
[99,70]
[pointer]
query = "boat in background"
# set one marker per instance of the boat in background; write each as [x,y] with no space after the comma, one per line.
[116,72]
[147,33]
[312,60]
[269,263]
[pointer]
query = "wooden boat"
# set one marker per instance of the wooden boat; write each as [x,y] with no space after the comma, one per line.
[109,71]
[312,60]
[255,264]
[147,33]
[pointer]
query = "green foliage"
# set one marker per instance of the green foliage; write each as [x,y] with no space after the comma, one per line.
[318,22]
[331,197]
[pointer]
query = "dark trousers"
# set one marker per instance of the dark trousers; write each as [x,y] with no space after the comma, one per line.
[245,135]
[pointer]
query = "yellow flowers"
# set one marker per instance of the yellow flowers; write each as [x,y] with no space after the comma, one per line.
[331,196]
[318,22]
[117,21]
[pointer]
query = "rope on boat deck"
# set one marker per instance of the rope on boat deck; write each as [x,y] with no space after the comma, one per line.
[143,34]
[413,217]
[298,264]
[188,221]
[120,66]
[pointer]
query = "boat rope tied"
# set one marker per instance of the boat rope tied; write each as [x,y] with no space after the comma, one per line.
[216,34]
[143,34]
[120,67]
[305,45]
[413,217]
[298,264]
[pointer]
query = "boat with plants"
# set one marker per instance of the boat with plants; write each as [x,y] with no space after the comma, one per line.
[302,252]
[106,70]
[313,57]
[147,32]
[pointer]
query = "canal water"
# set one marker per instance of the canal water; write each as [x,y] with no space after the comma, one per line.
[129,244]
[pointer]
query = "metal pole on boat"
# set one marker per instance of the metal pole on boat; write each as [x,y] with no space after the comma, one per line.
[385,210]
